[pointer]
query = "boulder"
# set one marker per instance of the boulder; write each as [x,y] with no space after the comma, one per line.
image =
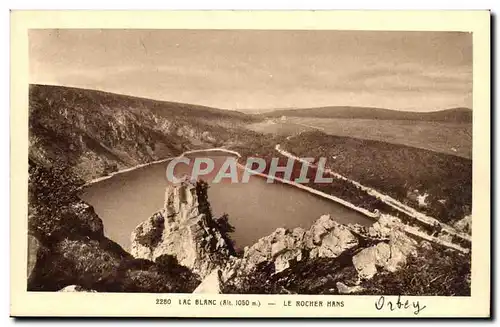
[367,260]
[383,226]
[390,256]
[75,288]
[402,246]
[333,241]
[211,284]
[146,236]
[344,289]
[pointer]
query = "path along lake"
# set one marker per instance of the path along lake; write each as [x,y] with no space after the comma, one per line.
[255,208]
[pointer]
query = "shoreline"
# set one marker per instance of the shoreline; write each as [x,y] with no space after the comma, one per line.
[126,170]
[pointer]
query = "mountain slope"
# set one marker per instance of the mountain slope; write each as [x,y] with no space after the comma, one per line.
[448,115]
[98,132]
[402,172]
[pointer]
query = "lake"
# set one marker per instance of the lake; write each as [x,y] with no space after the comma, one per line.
[255,209]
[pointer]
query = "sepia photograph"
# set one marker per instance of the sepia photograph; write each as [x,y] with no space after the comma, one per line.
[251,162]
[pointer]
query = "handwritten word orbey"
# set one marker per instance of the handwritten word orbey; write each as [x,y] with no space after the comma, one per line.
[382,303]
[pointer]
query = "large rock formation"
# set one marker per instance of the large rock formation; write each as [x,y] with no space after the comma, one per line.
[325,239]
[184,228]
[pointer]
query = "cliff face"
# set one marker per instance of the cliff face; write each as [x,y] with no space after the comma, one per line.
[94,262]
[97,133]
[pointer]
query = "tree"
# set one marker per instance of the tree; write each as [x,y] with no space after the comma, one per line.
[225,229]
[51,192]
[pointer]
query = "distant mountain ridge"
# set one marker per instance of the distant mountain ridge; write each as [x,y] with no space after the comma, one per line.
[160,106]
[459,114]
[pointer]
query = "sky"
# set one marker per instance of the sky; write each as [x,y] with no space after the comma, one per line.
[239,70]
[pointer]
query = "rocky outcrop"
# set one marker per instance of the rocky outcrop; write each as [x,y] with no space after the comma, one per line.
[67,245]
[184,228]
[325,239]
[367,261]
[97,133]
[55,210]
[75,288]
[88,219]
[464,225]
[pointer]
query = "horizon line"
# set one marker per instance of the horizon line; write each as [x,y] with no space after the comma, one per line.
[245,109]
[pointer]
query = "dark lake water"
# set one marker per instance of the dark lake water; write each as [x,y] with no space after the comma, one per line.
[255,209]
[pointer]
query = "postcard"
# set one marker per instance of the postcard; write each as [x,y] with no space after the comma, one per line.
[250,163]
